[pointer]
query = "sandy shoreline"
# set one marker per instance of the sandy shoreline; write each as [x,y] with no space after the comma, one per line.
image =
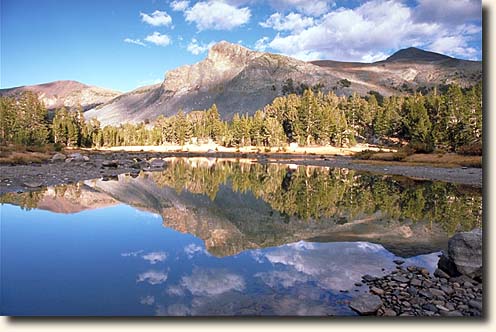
[21,178]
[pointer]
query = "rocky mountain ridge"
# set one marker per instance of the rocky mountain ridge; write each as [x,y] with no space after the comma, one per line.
[70,94]
[240,80]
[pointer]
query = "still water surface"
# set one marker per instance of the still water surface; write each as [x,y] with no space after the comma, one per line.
[206,237]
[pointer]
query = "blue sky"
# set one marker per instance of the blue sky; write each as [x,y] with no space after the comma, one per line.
[123,44]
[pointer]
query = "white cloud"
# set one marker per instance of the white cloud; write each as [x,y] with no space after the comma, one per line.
[147,300]
[152,277]
[453,44]
[286,279]
[210,282]
[332,266]
[157,18]
[216,15]
[179,6]
[193,249]
[314,7]
[291,22]
[175,290]
[448,11]
[178,310]
[134,41]
[367,33]
[158,39]
[194,47]
[155,257]
[261,44]
[131,253]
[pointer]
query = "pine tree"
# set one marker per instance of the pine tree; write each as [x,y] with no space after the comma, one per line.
[416,121]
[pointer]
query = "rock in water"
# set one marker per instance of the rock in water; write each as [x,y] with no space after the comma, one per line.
[464,255]
[157,163]
[33,184]
[110,163]
[366,304]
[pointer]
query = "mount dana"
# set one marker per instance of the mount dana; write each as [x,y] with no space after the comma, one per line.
[239,80]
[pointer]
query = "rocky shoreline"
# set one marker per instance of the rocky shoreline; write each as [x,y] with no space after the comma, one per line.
[454,290]
[79,166]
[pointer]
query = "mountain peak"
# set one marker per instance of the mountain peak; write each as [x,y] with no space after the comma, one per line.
[227,49]
[416,54]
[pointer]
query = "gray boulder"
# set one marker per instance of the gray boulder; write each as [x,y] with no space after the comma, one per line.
[59,157]
[464,256]
[77,157]
[366,304]
[157,163]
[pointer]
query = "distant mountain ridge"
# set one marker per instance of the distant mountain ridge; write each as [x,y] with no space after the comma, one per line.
[240,80]
[69,94]
[416,54]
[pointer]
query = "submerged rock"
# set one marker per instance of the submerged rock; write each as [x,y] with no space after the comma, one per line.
[33,184]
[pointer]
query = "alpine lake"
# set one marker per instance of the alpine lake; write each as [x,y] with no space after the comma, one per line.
[215,237]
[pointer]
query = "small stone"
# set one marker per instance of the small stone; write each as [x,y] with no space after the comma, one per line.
[442,308]
[475,304]
[416,282]
[366,304]
[441,274]
[369,278]
[389,313]
[447,289]
[358,284]
[377,291]
[400,279]
[429,307]
[33,184]
[425,272]
[58,157]
[157,163]
[110,163]
[398,261]
[454,313]
[412,291]
[437,292]
[426,294]
[449,306]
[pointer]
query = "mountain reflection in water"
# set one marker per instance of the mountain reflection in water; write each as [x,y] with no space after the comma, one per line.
[240,238]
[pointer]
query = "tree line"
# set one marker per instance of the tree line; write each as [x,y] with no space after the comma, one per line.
[450,121]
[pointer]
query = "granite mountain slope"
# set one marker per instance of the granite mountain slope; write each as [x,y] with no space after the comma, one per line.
[240,80]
